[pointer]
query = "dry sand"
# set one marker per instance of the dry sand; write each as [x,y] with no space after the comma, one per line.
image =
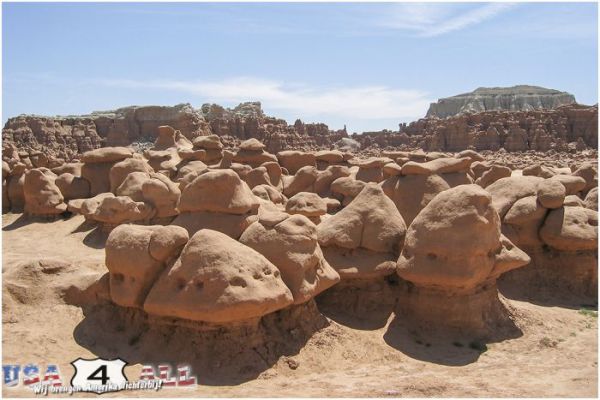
[556,355]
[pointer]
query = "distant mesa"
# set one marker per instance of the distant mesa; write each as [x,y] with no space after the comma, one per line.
[515,98]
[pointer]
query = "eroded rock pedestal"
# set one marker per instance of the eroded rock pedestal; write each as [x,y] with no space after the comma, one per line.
[452,256]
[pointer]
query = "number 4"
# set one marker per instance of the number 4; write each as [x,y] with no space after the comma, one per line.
[103,375]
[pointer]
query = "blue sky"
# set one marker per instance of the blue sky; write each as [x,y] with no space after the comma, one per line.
[369,66]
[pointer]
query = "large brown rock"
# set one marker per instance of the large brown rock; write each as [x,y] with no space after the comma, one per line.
[135,257]
[120,170]
[72,187]
[290,243]
[162,193]
[42,196]
[412,193]
[506,191]
[219,191]
[364,239]
[571,229]
[218,280]
[454,244]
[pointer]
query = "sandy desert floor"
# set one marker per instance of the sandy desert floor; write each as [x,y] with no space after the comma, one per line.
[42,263]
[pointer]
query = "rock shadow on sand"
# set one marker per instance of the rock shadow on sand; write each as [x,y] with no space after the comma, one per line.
[444,335]
[221,356]
[360,304]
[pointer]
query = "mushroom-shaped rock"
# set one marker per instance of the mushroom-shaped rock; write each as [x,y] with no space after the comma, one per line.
[412,193]
[251,152]
[551,193]
[120,170]
[42,196]
[135,257]
[293,160]
[371,169]
[219,191]
[290,243]
[364,239]
[212,147]
[217,200]
[571,229]
[452,244]
[591,199]
[391,169]
[252,144]
[310,205]
[212,142]
[453,254]
[218,280]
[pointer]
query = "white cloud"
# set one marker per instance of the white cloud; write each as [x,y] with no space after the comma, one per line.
[431,19]
[356,102]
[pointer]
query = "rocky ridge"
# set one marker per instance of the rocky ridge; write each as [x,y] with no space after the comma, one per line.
[515,98]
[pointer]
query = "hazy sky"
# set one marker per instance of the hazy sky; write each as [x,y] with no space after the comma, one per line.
[369,66]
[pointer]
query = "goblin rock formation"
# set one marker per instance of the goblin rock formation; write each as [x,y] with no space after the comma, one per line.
[516,98]
[453,254]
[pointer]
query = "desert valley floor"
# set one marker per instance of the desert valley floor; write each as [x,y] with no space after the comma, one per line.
[556,355]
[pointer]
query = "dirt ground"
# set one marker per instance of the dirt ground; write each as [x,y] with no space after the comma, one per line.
[45,262]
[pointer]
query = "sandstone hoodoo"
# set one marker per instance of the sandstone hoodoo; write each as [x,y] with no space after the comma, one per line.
[364,239]
[452,255]
[218,280]
[561,239]
[290,243]
[217,200]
